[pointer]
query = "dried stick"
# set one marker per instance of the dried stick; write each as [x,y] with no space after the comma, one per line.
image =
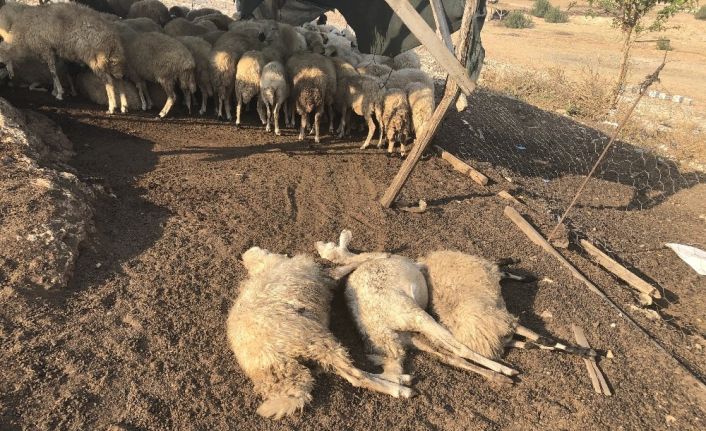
[597,379]
[649,80]
[619,270]
[462,166]
[537,238]
[507,196]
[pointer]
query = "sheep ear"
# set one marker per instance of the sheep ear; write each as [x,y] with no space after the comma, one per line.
[261,37]
[345,238]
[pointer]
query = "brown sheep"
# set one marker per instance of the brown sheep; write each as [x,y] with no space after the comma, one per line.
[152,9]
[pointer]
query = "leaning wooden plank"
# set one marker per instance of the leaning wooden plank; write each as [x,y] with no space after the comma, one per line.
[461,166]
[508,197]
[597,378]
[619,270]
[442,26]
[416,24]
[537,238]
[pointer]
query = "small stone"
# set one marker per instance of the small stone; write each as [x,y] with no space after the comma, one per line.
[612,325]
[670,419]
[98,265]
[609,354]
[546,314]
[697,346]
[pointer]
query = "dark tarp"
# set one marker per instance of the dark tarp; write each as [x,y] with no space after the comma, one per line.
[377,28]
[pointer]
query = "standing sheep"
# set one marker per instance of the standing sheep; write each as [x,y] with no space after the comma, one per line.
[395,120]
[465,293]
[152,9]
[144,25]
[274,91]
[313,87]
[422,105]
[75,33]
[201,51]
[387,297]
[279,319]
[364,96]
[247,80]
[159,58]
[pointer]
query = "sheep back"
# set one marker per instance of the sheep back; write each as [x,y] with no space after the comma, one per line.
[152,9]
[311,74]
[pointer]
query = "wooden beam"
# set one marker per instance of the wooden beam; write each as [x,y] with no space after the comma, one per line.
[450,94]
[442,26]
[597,379]
[462,166]
[416,24]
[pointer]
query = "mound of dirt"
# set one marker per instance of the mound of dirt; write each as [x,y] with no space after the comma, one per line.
[45,210]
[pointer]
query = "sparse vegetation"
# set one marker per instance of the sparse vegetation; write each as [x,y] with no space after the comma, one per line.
[701,13]
[517,19]
[663,44]
[555,15]
[540,8]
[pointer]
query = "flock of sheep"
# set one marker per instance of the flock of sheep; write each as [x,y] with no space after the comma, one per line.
[281,318]
[129,46]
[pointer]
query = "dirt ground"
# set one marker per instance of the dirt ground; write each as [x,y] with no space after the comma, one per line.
[137,341]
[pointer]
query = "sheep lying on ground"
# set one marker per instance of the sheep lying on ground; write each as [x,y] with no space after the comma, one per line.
[312,89]
[274,91]
[280,318]
[159,58]
[201,51]
[465,293]
[387,297]
[152,9]
[75,33]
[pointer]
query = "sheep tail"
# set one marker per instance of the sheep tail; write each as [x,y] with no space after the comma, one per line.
[268,95]
[286,389]
[310,98]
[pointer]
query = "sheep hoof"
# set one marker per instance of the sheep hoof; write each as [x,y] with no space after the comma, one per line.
[268,129]
[278,133]
[110,111]
[123,110]
[407,392]
[158,117]
[59,96]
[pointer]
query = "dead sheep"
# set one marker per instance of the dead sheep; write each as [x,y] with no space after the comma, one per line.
[143,25]
[183,27]
[395,121]
[152,9]
[465,294]
[195,13]
[121,7]
[279,319]
[247,80]
[224,57]
[201,51]
[91,87]
[218,19]
[159,58]
[406,60]
[274,92]
[75,33]
[387,297]
[422,104]
[313,88]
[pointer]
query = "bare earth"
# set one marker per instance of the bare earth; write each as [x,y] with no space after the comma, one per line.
[136,340]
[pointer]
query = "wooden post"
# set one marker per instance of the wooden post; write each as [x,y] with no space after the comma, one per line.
[450,94]
[416,24]
[442,27]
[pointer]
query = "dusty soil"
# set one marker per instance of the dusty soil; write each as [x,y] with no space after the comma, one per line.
[136,340]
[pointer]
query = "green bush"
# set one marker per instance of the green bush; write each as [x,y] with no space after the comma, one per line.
[556,15]
[517,19]
[701,13]
[540,7]
[663,44]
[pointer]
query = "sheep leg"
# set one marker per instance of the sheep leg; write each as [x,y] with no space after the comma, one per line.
[36,86]
[287,109]
[342,124]
[261,105]
[187,101]
[421,344]
[331,127]
[268,125]
[304,120]
[238,107]
[547,343]
[51,62]
[371,131]
[141,93]
[110,92]
[278,106]
[317,123]
[227,107]
[390,145]
[204,100]
[123,96]
[171,98]
[219,105]
[150,104]
[285,389]
[427,326]
[72,86]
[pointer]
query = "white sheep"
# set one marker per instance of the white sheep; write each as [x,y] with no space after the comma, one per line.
[406,60]
[465,294]
[364,96]
[279,319]
[224,57]
[247,80]
[26,69]
[152,9]
[314,40]
[201,51]
[387,297]
[313,87]
[422,104]
[91,87]
[274,91]
[159,58]
[403,77]
[72,32]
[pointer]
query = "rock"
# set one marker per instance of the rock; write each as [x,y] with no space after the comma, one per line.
[49,212]
[670,419]
[547,315]
[609,354]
